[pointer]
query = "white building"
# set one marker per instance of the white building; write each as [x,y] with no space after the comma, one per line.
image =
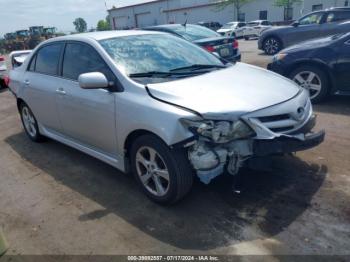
[178,11]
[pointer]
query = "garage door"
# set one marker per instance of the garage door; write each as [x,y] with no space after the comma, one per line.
[120,22]
[143,19]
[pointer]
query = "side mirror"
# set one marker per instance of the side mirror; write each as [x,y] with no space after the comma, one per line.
[296,24]
[94,80]
[216,54]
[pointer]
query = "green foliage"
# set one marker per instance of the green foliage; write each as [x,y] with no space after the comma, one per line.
[102,25]
[236,3]
[287,3]
[80,25]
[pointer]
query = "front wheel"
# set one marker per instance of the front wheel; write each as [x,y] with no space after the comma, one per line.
[30,124]
[313,79]
[272,46]
[164,174]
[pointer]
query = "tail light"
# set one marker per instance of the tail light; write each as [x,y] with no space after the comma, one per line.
[2,59]
[235,44]
[209,48]
[7,80]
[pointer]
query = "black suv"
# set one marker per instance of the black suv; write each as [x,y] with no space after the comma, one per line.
[314,25]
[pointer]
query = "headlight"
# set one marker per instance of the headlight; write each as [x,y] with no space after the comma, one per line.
[279,57]
[219,131]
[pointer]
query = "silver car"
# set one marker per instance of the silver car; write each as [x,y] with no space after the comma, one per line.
[160,107]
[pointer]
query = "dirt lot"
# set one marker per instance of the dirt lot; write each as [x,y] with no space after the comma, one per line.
[56,200]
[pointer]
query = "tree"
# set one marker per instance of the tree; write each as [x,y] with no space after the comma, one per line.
[288,7]
[238,4]
[80,25]
[102,25]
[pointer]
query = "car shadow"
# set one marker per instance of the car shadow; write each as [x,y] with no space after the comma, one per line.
[209,217]
[339,105]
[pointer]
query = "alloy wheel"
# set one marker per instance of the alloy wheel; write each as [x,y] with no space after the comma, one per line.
[272,46]
[152,171]
[310,81]
[29,121]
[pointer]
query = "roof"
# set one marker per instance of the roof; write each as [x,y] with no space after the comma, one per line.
[140,4]
[104,35]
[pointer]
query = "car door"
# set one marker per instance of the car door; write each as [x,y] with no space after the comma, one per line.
[87,116]
[307,28]
[342,67]
[331,25]
[41,81]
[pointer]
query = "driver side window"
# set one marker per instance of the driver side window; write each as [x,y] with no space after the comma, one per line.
[311,19]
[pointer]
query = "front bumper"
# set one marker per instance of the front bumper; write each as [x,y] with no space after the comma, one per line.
[277,67]
[284,145]
[210,160]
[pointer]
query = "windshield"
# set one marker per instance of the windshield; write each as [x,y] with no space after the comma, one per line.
[140,54]
[229,26]
[194,32]
[253,24]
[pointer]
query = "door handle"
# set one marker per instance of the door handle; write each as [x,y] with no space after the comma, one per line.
[26,82]
[60,91]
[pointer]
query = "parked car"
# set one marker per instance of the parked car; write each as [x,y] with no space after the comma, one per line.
[159,106]
[255,28]
[234,29]
[3,72]
[314,25]
[322,66]
[211,25]
[226,47]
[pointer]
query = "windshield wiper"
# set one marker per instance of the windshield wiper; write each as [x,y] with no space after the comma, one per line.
[159,74]
[197,67]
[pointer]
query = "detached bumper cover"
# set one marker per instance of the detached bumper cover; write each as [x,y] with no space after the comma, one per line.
[287,144]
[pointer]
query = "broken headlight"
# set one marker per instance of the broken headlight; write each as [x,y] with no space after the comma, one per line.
[219,131]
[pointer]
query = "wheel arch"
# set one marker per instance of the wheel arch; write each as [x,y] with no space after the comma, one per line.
[20,101]
[133,136]
[317,64]
[273,36]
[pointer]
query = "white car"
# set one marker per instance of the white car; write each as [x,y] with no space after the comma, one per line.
[255,28]
[234,29]
[3,67]
[3,71]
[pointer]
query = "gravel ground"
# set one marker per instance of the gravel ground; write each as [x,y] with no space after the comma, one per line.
[56,200]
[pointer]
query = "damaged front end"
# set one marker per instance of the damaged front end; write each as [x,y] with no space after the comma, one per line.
[218,145]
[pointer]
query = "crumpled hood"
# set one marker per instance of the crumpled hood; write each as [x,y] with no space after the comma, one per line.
[234,91]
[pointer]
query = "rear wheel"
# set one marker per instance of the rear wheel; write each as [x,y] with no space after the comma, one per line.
[246,38]
[164,174]
[314,79]
[272,45]
[30,124]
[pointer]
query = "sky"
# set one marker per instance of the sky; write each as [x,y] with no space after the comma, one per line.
[21,14]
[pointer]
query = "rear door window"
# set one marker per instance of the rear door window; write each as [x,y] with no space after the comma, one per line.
[338,16]
[81,58]
[47,59]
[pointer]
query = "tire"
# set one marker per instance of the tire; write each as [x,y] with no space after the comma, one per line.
[314,79]
[272,45]
[30,124]
[172,164]
[246,38]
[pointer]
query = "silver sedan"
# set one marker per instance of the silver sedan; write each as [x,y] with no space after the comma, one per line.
[160,107]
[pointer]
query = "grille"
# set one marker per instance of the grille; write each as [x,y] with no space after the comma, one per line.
[279,123]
